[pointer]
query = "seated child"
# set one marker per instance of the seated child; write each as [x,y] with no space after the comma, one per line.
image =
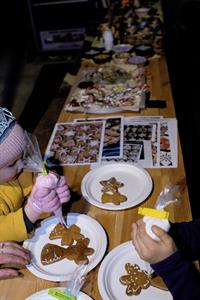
[21,200]
[172,256]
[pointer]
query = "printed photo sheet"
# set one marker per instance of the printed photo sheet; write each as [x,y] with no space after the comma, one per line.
[76,143]
[150,142]
[168,143]
[113,135]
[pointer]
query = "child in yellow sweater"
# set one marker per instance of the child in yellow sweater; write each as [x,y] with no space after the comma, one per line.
[21,200]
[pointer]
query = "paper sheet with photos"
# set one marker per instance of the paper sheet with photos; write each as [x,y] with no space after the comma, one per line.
[150,142]
[76,143]
[107,89]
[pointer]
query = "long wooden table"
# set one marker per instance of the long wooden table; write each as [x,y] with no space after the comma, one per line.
[116,223]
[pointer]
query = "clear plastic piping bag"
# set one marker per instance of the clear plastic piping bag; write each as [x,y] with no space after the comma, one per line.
[33,162]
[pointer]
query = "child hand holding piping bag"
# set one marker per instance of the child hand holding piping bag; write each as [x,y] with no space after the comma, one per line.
[22,198]
[170,250]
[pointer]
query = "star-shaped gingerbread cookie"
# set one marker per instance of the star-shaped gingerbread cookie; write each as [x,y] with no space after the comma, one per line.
[111,185]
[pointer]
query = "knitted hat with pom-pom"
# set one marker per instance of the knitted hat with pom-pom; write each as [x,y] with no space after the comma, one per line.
[12,138]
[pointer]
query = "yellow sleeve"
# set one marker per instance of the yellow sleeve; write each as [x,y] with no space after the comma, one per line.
[12,198]
[12,227]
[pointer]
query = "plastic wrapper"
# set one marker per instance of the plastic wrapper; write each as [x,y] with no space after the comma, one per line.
[33,162]
[74,285]
[169,194]
[32,157]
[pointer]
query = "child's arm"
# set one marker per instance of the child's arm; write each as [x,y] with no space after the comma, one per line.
[150,250]
[180,276]
[187,238]
[12,226]
[178,273]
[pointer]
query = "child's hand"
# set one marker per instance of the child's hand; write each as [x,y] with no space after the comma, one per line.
[41,200]
[148,249]
[62,190]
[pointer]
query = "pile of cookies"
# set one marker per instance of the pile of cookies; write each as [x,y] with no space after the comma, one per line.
[77,243]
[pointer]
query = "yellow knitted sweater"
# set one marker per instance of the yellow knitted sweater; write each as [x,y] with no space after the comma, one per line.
[13,195]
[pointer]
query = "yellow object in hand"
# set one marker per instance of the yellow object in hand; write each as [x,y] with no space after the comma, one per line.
[155,213]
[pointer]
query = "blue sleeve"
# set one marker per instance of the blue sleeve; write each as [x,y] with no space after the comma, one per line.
[186,235]
[180,276]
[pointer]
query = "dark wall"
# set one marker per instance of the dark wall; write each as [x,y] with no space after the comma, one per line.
[182,24]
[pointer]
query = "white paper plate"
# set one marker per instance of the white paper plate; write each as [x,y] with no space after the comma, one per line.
[137,184]
[43,295]
[62,270]
[112,268]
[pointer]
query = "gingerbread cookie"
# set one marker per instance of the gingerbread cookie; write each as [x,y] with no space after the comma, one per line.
[80,251]
[110,191]
[111,185]
[71,234]
[57,232]
[115,198]
[52,253]
[136,280]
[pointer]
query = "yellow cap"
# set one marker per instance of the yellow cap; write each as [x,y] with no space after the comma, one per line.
[155,213]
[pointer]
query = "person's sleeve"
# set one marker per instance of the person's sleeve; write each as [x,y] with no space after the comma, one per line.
[180,276]
[186,236]
[12,227]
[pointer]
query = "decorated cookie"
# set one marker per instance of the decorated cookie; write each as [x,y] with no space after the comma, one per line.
[52,253]
[80,251]
[110,191]
[115,198]
[57,232]
[71,234]
[136,280]
[111,185]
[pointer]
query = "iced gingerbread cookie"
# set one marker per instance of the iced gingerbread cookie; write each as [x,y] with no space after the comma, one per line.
[52,253]
[80,251]
[57,232]
[135,280]
[67,235]
[110,191]
[71,234]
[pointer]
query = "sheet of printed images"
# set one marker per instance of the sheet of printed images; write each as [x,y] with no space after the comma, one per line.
[76,143]
[150,142]
[168,143]
[113,135]
[141,141]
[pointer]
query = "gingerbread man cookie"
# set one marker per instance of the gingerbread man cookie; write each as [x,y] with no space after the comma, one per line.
[136,280]
[80,251]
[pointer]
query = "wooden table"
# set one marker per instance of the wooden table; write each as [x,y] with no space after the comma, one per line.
[116,223]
